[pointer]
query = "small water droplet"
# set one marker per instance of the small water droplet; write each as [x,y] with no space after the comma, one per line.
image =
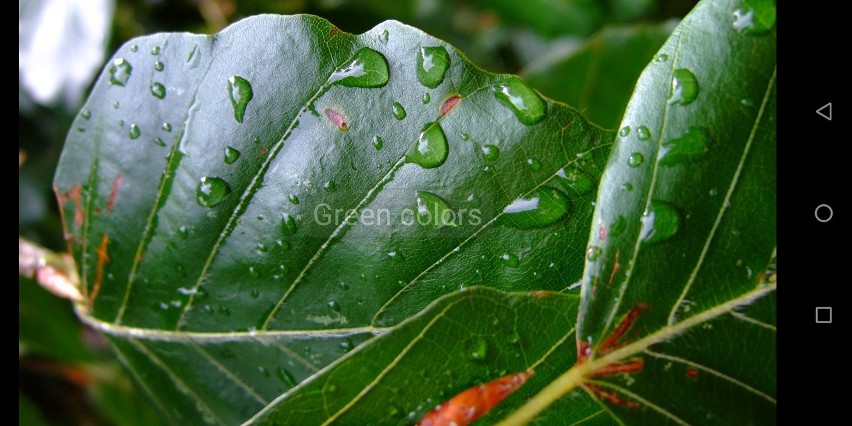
[224,310]
[465,136]
[662,57]
[523,101]
[253,272]
[183,232]
[119,72]
[433,210]
[158,66]
[593,253]
[288,224]
[134,132]
[635,160]
[377,142]
[660,222]
[293,199]
[115,105]
[618,227]
[167,127]
[398,111]
[86,114]
[330,186]
[534,164]
[155,50]
[120,123]
[479,349]
[684,87]
[755,17]
[431,148]
[692,146]
[159,141]
[211,191]
[510,260]
[577,180]
[240,93]
[347,345]
[286,377]
[254,293]
[627,186]
[134,48]
[490,152]
[367,68]
[384,37]
[432,65]
[714,192]
[624,131]
[545,206]
[746,102]
[334,305]
[158,90]
[426,98]
[643,133]
[231,155]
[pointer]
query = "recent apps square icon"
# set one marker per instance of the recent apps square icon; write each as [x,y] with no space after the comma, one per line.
[823,315]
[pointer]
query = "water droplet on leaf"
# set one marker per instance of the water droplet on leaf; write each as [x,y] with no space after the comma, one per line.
[398,111]
[231,155]
[158,90]
[693,145]
[643,133]
[545,206]
[119,72]
[490,152]
[367,68]
[684,87]
[134,132]
[211,191]
[288,224]
[240,93]
[522,100]
[432,65]
[432,210]
[510,260]
[635,160]
[431,148]
[660,222]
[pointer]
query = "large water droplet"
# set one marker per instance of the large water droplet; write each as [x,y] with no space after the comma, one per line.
[167,126]
[624,131]
[490,152]
[432,65]
[684,87]
[158,90]
[367,68]
[119,72]
[577,180]
[755,17]
[134,132]
[240,93]
[398,111]
[431,148]
[432,210]
[288,224]
[635,160]
[523,101]
[593,253]
[660,222]
[510,260]
[211,191]
[693,145]
[426,98]
[545,206]
[231,155]
[377,142]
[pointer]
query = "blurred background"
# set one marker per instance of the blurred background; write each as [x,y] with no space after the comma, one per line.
[586,53]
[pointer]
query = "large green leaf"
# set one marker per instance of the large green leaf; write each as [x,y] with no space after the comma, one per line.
[598,77]
[677,317]
[189,186]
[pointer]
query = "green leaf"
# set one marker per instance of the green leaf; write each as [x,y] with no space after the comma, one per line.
[598,76]
[46,325]
[452,345]
[676,324]
[256,217]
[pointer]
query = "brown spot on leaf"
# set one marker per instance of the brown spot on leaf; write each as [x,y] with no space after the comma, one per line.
[611,343]
[541,294]
[449,104]
[615,268]
[628,367]
[72,195]
[475,402]
[692,373]
[103,257]
[262,151]
[338,119]
[113,193]
[333,31]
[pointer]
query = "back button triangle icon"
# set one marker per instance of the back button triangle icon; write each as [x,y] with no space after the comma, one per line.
[825,111]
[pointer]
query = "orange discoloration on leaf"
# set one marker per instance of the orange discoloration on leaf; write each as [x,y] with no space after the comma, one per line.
[692,373]
[611,343]
[74,195]
[615,268]
[610,397]
[541,294]
[602,232]
[628,367]
[103,257]
[473,403]
[338,119]
[449,104]
[113,193]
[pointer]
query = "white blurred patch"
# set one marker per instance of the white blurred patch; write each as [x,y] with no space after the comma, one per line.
[60,47]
